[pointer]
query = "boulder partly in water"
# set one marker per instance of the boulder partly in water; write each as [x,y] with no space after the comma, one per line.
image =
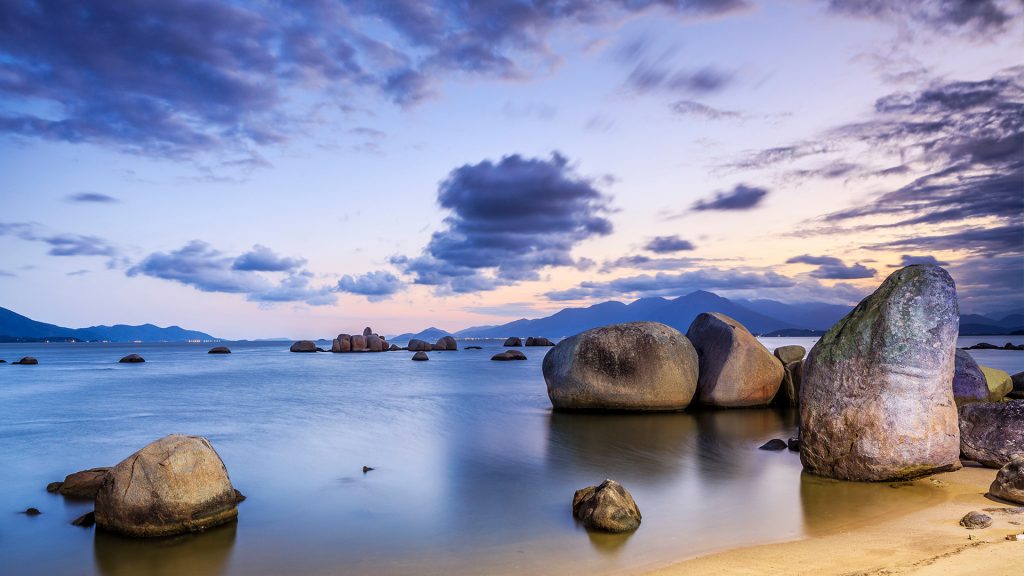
[607,507]
[174,485]
[219,350]
[538,341]
[876,402]
[633,366]
[735,369]
[27,361]
[509,355]
[512,341]
[83,484]
[420,356]
[448,343]
[992,432]
[417,345]
[132,359]
[303,346]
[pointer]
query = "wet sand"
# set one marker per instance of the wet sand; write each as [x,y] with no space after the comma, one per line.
[923,539]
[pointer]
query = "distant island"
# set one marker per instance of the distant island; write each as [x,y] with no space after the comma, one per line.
[17,328]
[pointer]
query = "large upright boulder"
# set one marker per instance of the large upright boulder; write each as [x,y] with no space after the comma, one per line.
[343,343]
[358,343]
[992,432]
[735,369]
[176,484]
[998,383]
[448,342]
[633,366]
[969,384]
[303,346]
[876,402]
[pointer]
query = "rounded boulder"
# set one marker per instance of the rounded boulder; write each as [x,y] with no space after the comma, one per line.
[969,383]
[735,369]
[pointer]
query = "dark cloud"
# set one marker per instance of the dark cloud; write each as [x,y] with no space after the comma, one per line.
[741,197]
[92,197]
[769,157]
[831,268]
[668,244]
[994,241]
[199,265]
[969,16]
[173,79]
[61,244]
[376,286]
[6,274]
[508,220]
[641,262]
[649,77]
[263,259]
[908,260]
[663,284]
[694,108]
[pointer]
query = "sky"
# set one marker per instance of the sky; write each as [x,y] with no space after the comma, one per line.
[259,169]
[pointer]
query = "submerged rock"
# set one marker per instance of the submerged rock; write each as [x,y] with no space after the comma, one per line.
[992,432]
[132,359]
[735,369]
[32,512]
[83,484]
[1009,482]
[793,444]
[303,346]
[219,350]
[969,384]
[85,520]
[420,356]
[512,341]
[607,507]
[876,402]
[448,343]
[27,361]
[774,445]
[999,383]
[632,366]
[509,355]
[538,341]
[792,353]
[974,520]
[473,348]
[174,485]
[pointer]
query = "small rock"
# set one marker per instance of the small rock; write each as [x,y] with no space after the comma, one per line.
[472,348]
[1016,537]
[538,341]
[220,350]
[509,355]
[32,512]
[53,487]
[792,353]
[512,341]
[974,520]
[132,359]
[774,445]
[607,507]
[85,520]
[27,361]
[303,346]
[83,484]
[793,444]
[367,469]
[393,348]
[420,356]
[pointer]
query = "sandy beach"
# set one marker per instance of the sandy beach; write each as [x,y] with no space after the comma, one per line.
[921,542]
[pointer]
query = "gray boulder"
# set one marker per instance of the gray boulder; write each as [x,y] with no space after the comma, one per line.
[633,366]
[876,402]
[1018,386]
[174,485]
[509,355]
[303,346]
[607,507]
[367,331]
[791,353]
[969,384]
[992,432]
[735,369]
[512,341]
[975,520]
[1009,482]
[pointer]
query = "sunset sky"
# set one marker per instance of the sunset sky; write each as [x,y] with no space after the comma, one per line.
[254,170]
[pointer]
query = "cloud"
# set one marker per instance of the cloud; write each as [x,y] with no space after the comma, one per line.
[199,265]
[6,274]
[663,284]
[642,262]
[62,244]
[263,259]
[831,268]
[508,220]
[908,260]
[966,16]
[694,108]
[376,286]
[92,197]
[668,244]
[741,197]
[989,242]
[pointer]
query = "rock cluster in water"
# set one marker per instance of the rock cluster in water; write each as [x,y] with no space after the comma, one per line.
[368,341]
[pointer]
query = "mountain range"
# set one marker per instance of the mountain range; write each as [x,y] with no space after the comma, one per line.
[17,328]
[764,317]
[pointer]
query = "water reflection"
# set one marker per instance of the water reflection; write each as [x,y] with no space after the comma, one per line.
[608,544]
[725,438]
[203,554]
[829,505]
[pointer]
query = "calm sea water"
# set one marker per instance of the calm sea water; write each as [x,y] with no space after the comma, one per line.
[474,473]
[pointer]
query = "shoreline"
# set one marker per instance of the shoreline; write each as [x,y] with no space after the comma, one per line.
[924,542]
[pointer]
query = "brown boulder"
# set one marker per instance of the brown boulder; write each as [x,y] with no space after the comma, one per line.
[420,356]
[538,341]
[82,484]
[735,369]
[27,361]
[876,402]
[375,343]
[417,345]
[176,484]
[367,331]
[343,343]
[303,346]
[992,432]
[1009,482]
[509,355]
[791,353]
[607,507]
[448,343]
[512,341]
[789,390]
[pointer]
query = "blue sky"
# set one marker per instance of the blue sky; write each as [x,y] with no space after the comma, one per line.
[257,170]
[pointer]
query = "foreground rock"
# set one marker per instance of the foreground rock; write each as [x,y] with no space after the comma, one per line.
[969,384]
[539,341]
[607,507]
[174,485]
[876,402]
[420,356]
[975,520]
[219,350]
[735,369]
[512,341]
[787,354]
[27,361]
[82,484]
[633,366]
[1009,482]
[999,383]
[992,432]
[303,346]
[132,359]
[509,355]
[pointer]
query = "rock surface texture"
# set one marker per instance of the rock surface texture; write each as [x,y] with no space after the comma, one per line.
[735,369]
[999,383]
[607,507]
[1009,482]
[82,484]
[632,366]
[876,402]
[992,432]
[969,384]
[174,485]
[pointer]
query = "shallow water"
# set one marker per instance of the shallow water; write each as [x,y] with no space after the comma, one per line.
[474,473]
